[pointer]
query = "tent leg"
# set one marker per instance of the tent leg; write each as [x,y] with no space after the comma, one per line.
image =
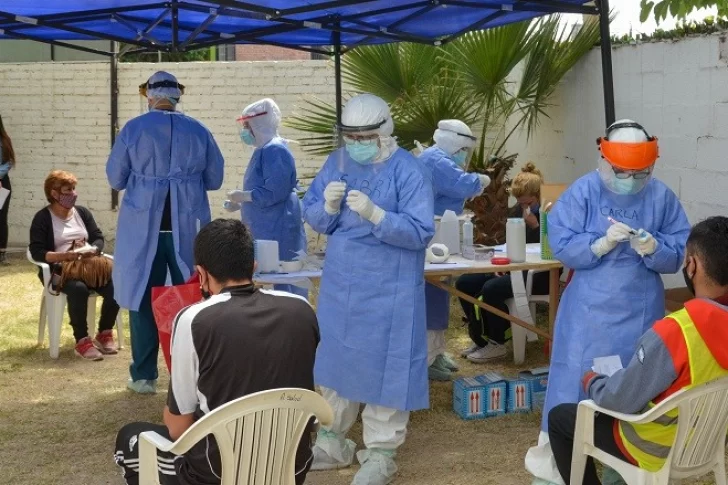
[607,74]
[337,77]
[114,99]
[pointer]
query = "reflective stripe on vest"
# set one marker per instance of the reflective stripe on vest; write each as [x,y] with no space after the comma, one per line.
[650,443]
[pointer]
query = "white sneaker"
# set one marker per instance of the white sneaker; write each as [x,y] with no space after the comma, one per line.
[489,352]
[470,350]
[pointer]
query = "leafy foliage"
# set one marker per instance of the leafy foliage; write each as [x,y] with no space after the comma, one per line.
[475,79]
[679,9]
[709,25]
[190,56]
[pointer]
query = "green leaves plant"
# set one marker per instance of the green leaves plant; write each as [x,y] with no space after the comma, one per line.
[482,78]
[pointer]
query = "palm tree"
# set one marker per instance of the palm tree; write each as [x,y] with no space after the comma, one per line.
[498,81]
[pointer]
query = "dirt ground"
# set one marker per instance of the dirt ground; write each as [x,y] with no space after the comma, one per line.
[58,419]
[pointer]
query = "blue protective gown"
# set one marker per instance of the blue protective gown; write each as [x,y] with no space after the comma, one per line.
[157,153]
[451,186]
[450,183]
[371,304]
[611,301]
[275,212]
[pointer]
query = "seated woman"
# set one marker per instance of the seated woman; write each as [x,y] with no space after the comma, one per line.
[489,332]
[67,238]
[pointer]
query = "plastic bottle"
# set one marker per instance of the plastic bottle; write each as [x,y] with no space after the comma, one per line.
[516,240]
[467,234]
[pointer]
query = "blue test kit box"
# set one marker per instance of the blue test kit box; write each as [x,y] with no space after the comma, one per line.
[519,395]
[538,379]
[480,397]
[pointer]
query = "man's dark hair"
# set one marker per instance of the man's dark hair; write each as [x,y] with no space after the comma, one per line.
[708,241]
[225,249]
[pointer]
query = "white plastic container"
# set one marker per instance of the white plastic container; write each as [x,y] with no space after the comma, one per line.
[467,234]
[516,240]
[448,232]
[266,255]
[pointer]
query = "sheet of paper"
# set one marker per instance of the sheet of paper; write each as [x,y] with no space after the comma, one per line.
[3,196]
[444,266]
[607,365]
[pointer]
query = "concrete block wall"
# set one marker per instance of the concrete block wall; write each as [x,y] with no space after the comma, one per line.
[58,117]
[677,90]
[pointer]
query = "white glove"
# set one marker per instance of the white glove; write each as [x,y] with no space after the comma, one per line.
[231,206]
[484,180]
[616,234]
[333,195]
[645,243]
[240,196]
[363,205]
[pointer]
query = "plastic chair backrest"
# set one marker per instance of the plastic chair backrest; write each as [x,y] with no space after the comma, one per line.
[702,424]
[258,435]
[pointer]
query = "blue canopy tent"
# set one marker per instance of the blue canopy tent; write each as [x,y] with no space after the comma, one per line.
[322,26]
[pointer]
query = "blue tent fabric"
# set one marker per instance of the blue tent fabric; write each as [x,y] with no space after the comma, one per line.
[183,25]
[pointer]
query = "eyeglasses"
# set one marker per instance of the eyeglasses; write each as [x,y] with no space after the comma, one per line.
[635,174]
[350,139]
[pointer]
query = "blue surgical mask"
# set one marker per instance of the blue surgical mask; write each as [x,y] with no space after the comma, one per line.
[535,207]
[363,152]
[460,157]
[628,186]
[247,136]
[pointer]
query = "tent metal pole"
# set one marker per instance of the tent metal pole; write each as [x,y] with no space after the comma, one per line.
[337,75]
[114,98]
[607,74]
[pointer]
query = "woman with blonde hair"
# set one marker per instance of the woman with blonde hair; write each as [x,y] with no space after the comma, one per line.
[489,332]
[66,237]
[7,161]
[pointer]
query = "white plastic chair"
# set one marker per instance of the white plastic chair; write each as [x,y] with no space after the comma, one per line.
[52,308]
[699,446]
[519,335]
[258,436]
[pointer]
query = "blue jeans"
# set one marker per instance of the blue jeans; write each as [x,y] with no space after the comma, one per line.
[144,336]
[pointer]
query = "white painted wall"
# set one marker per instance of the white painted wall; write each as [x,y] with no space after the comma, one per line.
[677,90]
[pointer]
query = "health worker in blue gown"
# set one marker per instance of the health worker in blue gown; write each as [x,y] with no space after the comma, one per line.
[373,201]
[619,229]
[445,164]
[165,162]
[268,201]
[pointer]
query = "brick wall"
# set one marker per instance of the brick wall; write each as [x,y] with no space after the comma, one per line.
[58,117]
[268,53]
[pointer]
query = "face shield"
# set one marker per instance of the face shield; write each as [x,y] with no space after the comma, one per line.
[362,143]
[247,134]
[628,156]
[624,182]
[455,138]
[161,89]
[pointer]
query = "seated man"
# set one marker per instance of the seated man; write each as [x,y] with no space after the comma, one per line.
[690,339]
[239,341]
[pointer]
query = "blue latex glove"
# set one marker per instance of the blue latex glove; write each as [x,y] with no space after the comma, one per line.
[4,169]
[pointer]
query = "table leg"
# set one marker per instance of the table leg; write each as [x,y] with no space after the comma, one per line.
[553,298]
[455,292]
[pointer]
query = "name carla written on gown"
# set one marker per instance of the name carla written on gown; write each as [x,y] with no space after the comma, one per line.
[619,214]
[291,397]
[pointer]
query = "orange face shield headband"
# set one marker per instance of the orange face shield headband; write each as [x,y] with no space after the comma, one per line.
[629,156]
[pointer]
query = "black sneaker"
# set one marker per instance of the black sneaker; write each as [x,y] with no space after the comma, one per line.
[4,259]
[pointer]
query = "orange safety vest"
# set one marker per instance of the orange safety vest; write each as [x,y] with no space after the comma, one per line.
[649,444]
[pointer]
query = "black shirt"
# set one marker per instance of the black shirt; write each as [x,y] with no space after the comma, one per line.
[234,344]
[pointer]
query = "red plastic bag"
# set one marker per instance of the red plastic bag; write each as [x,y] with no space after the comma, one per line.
[167,302]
